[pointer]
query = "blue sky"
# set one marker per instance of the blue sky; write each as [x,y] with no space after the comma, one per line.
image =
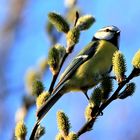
[31,43]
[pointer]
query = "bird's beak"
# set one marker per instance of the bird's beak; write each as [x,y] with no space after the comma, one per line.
[118,32]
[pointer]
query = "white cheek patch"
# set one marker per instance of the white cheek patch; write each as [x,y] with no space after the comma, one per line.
[104,35]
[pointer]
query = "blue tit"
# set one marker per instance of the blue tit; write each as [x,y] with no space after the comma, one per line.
[87,68]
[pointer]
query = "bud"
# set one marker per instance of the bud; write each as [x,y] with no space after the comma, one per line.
[53,60]
[63,123]
[128,91]
[20,130]
[72,39]
[95,98]
[72,136]
[119,66]
[59,22]
[88,112]
[42,98]
[37,88]
[136,60]
[106,87]
[40,132]
[61,49]
[85,22]
[59,137]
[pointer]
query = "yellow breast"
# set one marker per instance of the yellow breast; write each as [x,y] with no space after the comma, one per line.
[87,74]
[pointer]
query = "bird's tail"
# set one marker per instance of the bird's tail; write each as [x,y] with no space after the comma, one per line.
[42,111]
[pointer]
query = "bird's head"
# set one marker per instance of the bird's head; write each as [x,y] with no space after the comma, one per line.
[109,33]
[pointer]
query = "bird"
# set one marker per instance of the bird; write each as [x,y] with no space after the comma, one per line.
[87,69]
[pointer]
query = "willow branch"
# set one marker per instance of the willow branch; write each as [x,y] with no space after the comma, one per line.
[63,60]
[54,80]
[56,75]
[88,125]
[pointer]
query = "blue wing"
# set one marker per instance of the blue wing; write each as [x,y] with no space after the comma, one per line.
[82,57]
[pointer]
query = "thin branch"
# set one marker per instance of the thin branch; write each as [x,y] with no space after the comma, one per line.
[63,60]
[32,137]
[50,90]
[56,75]
[53,82]
[88,125]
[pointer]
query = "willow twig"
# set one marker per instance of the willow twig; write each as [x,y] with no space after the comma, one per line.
[63,60]
[88,125]
[54,81]
[56,75]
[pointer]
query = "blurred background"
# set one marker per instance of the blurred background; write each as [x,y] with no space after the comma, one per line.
[24,45]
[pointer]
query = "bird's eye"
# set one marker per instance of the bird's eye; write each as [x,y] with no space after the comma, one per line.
[107,30]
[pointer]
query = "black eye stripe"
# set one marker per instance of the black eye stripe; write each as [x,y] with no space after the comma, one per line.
[107,30]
